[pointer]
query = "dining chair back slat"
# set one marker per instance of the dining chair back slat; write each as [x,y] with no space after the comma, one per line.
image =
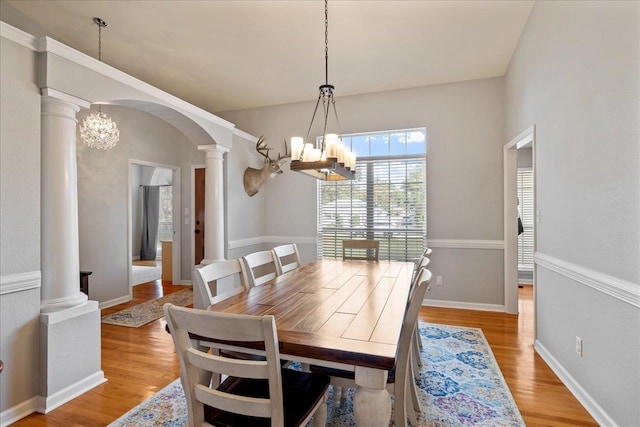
[206,277]
[360,249]
[261,267]
[287,258]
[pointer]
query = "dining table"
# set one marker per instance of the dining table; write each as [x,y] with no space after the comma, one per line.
[341,314]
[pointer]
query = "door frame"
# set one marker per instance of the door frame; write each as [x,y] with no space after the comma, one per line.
[192,213]
[176,258]
[510,175]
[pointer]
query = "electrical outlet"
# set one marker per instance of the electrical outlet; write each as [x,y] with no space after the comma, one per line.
[439,280]
[579,346]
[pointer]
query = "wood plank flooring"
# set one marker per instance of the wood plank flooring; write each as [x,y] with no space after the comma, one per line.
[140,361]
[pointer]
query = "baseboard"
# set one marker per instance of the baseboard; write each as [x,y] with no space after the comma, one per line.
[462,305]
[49,403]
[186,282]
[116,301]
[574,387]
[21,410]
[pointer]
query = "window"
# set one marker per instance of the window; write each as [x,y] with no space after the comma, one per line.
[165,218]
[525,207]
[386,201]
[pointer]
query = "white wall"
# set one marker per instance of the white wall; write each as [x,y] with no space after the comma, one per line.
[575,76]
[464,123]
[102,195]
[19,224]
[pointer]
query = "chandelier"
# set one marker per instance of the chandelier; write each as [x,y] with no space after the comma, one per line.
[98,130]
[331,161]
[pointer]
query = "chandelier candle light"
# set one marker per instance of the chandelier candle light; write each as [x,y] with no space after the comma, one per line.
[331,161]
[98,130]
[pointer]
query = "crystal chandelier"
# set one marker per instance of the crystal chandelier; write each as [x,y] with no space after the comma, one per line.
[331,161]
[98,130]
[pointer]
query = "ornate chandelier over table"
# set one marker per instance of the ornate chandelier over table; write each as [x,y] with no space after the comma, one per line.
[331,161]
[98,130]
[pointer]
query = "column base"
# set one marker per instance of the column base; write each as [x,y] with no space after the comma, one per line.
[70,354]
[54,305]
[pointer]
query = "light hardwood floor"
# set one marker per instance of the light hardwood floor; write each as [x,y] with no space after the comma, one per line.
[140,361]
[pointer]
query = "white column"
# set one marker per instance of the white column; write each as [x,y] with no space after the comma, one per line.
[69,324]
[213,202]
[59,203]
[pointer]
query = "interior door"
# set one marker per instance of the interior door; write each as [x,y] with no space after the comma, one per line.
[199,229]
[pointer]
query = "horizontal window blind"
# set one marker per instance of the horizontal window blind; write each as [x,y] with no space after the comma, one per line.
[525,207]
[386,202]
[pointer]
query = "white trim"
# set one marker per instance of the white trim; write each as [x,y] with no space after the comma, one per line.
[20,282]
[258,240]
[56,94]
[612,286]
[522,139]
[49,403]
[19,411]
[47,44]
[246,136]
[462,305]
[595,410]
[116,301]
[465,244]
[18,36]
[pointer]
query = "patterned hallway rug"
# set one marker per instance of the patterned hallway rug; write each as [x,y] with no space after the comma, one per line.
[460,385]
[149,311]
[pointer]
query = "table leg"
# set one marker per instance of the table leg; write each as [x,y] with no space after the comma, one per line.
[371,404]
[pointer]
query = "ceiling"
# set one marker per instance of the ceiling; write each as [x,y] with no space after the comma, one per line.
[229,55]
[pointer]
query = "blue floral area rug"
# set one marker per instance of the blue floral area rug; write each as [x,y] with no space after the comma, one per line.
[460,385]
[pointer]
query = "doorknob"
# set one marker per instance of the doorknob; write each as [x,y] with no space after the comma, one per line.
[197,231]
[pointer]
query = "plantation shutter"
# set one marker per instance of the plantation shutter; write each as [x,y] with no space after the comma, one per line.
[525,240]
[386,202]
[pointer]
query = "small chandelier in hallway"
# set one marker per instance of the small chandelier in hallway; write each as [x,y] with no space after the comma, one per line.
[98,130]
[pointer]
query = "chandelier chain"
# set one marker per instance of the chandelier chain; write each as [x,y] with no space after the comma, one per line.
[326,41]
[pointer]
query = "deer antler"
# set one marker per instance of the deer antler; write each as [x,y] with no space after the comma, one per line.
[287,153]
[262,147]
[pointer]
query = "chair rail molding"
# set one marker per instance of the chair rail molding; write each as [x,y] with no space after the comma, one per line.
[258,240]
[465,244]
[621,289]
[20,282]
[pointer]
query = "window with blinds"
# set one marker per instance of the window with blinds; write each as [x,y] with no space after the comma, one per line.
[525,208]
[386,201]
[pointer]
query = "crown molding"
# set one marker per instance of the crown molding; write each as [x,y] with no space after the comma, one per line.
[18,36]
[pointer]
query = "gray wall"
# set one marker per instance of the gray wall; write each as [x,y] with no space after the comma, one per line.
[102,195]
[464,123]
[575,76]
[19,222]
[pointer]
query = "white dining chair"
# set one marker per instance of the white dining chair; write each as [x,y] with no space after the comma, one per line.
[416,360]
[254,393]
[205,278]
[360,249]
[261,267]
[287,258]
[400,382]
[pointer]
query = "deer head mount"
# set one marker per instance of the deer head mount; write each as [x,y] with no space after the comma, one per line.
[255,178]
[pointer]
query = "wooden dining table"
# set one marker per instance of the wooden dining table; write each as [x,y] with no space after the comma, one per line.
[339,314]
